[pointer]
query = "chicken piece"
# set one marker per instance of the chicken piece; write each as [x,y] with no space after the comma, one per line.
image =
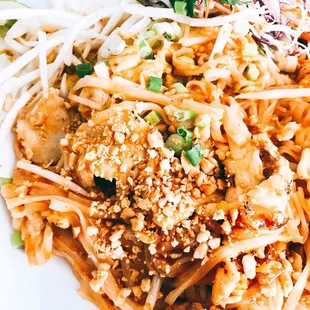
[40,128]
[109,149]
[226,280]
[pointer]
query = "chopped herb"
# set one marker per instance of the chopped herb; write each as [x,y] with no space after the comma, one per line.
[180,88]
[155,84]
[144,35]
[10,22]
[183,115]
[176,143]
[187,135]
[153,118]
[167,36]
[229,2]
[194,155]
[107,62]
[5,181]
[180,7]
[202,121]
[190,7]
[84,69]
[16,240]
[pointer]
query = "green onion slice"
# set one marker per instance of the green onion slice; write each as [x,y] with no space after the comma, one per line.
[155,84]
[16,240]
[5,181]
[202,121]
[153,118]
[180,88]
[186,134]
[176,143]
[84,69]
[180,7]
[107,62]
[183,115]
[144,35]
[194,155]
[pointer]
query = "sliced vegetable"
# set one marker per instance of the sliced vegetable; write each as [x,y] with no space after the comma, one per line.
[84,69]
[153,118]
[202,121]
[144,35]
[5,181]
[155,84]
[10,22]
[194,155]
[229,2]
[190,7]
[183,115]
[176,143]
[180,88]
[249,49]
[251,72]
[107,62]
[16,240]
[146,51]
[180,7]
[171,31]
[188,135]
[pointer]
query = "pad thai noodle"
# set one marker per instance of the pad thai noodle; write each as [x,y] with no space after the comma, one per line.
[163,149]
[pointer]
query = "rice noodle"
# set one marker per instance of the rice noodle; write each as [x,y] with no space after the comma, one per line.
[129,92]
[294,297]
[51,176]
[226,251]
[276,94]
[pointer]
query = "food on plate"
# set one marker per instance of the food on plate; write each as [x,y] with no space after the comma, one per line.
[163,149]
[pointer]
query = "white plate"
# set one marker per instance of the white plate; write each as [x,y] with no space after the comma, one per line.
[51,287]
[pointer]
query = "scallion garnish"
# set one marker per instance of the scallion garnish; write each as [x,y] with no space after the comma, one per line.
[202,121]
[153,118]
[180,88]
[10,22]
[107,62]
[146,51]
[194,155]
[16,240]
[5,181]
[180,7]
[176,143]
[183,115]
[144,35]
[187,135]
[190,7]
[84,69]
[155,84]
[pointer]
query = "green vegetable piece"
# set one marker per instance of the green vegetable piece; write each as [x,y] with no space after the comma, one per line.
[107,62]
[155,84]
[144,35]
[84,69]
[16,240]
[229,2]
[187,135]
[176,143]
[10,22]
[180,88]
[183,115]
[190,7]
[5,181]
[153,118]
[180,7]
[202,121]
[194,155]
